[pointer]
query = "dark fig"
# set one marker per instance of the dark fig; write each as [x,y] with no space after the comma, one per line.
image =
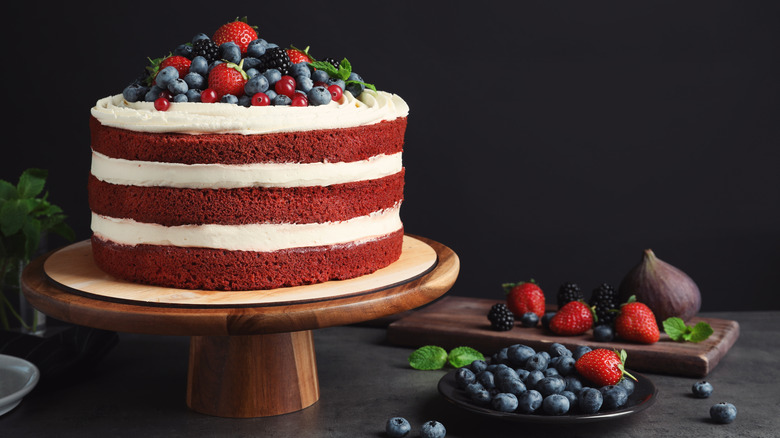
[665,289]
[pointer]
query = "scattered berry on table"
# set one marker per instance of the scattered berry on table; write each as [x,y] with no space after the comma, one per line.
[574,318]
[525,296]
[529,319]
[546,319]
[637,323]
[500,317]
[702,389]
[432,429]
[723,413]
[604,300]
[603,333]
[397,427]
[568,292]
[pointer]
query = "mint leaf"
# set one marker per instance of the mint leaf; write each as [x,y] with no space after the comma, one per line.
[462,356]
[675,328]
[326,67]
[345,69]
[31,183]
[429,357]
[700,332]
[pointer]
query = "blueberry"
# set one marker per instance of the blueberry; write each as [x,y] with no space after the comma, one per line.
[505,373]
[300,69]
[573,383]
[579,351]
[478,393]
[548,372]
[273,75]
[193,95]
[504,402]
[166,76]
[464,377]
[558,350]
[251,72]
[478,366]
[256,48]
[271,94]
[433,429]
[529,401]
[565,366]
[184,50]
[502,355]
[519,354]
[200,36]
[304,84]
[546,319]
[522,374]
[551,385]
[229,98]
[251,62]
[320,76]
[230,52]
[194,80]
[614,396]
[537,362]
[178,86]
[338,82]
[199,65]
[533,378]
[529,319]
[245,100]
[555,404]
[513,386]
[573,400]
[723,413]
[153,93]
[258,84]
[281,100]
[180,98]
[319,96]
[590,400]
[134,92]
[486,379]
[627,384]
[355,87]
[603,333]
[702,389]
[397,427]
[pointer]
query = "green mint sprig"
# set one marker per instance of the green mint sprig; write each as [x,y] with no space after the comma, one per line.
[341,72]
[678,331]
[433,357]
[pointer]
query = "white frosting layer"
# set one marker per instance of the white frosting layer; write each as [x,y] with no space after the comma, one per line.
[251,237]
[221,118]
[225,176]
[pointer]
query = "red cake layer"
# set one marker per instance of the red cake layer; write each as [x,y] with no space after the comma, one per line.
[213,269]
[171,206]
[332,145]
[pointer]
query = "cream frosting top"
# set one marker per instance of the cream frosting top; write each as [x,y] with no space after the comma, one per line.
[221,118]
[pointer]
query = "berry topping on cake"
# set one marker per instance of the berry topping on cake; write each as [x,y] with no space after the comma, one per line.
[298,56]
[238,32]
[227,78]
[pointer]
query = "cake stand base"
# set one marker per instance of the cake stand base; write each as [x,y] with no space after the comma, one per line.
[251,354]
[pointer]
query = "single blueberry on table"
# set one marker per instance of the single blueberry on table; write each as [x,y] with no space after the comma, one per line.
[555,404]
[702,389]
[504,402]
[590,400]
[529,401]
[529,319]
[546,319]
[603,333]
[397,427]
[723,413]
[433,429]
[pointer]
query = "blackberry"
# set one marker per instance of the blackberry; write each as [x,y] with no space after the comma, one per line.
[605,300]
[333,61]
[500,317]
[206,48]
[569,292]
[276,57]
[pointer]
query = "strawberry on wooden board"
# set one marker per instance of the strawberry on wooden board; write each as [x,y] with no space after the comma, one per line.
[574,318]
[523,297]
[637,323]
[297,55]
[602,367]
[237,31]
[228,78]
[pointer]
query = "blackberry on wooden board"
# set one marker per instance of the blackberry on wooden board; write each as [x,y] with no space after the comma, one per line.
[568,292]
[500,317]
[605,300]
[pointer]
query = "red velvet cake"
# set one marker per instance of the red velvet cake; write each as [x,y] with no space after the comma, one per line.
[236,196]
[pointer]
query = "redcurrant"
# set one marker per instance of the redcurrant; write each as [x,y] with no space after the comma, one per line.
[285,86]
[162,104]
[299,100]
[261,99]
[336,92]
[209,95]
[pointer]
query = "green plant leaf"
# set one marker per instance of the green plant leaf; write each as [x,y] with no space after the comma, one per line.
[429,357]
[7,191]
[326,67]
[345,69]
[675,328]
[700,332]
[462,356]
[31,183]
[678,331]
[13,215]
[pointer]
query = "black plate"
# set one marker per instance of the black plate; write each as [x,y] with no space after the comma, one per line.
[643,397]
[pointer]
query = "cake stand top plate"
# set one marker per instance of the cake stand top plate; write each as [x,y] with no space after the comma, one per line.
[65,284]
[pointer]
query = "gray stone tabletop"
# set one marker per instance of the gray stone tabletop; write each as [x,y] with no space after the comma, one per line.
[138,390]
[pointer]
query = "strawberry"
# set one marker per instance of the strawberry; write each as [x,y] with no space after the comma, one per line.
[636,322]
[602,367]
[180,63]
[524,297]
[238,32]
[574,318]
[228,78]
[297,55]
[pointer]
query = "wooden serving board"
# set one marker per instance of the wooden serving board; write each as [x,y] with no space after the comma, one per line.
[460,321]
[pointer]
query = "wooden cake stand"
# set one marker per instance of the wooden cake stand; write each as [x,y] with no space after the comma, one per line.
[251,352]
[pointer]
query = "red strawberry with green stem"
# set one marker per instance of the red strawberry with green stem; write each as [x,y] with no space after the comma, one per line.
[298,56]
[637,323]
[180,63]
[603,367]
[524,297]
[228,78]
[574,318]
[237,31]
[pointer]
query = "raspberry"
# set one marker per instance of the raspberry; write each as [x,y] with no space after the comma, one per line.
[501,318]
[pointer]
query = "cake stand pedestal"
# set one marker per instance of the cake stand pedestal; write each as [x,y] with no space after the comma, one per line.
[251,353]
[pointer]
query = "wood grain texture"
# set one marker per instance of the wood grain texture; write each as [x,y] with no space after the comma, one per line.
[455,321]
[153,318]
[252,376]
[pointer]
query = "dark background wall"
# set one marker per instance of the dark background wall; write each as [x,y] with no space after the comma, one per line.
[546,140]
